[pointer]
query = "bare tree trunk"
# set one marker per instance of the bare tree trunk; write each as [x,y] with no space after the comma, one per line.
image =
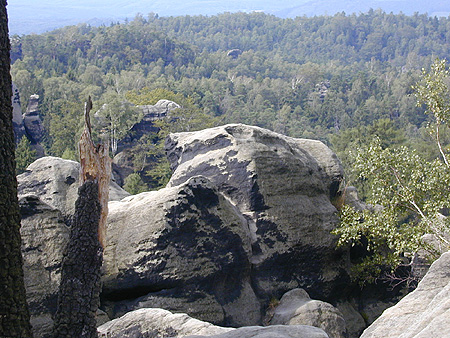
[14,315]
[81,271]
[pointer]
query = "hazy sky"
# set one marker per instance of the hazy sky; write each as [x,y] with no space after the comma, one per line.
[27,16]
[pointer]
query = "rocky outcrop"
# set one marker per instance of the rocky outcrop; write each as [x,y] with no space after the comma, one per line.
[19,129]
[184,248]
[124,163]
[296,308]
[284,188]
[278,331]
[162,323]
[34,127]
[423,313]
[157,323]
[246,217]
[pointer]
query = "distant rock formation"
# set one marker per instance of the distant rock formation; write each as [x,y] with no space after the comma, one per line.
[19,129]
[123,164]
[234,53]
[423,313]
[34,128]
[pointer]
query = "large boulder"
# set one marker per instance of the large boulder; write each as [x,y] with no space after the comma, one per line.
[296,308]
[278,331]
[184,248]
[285,188]
[44,237]
[423,313]
[154,322]
[246,217]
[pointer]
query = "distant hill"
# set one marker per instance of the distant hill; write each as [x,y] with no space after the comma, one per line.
[30,16]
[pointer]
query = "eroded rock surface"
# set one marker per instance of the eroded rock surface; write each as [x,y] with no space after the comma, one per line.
[157,323]
[423,313]
[184,248]
[296,308]
[285,188]
[246,217]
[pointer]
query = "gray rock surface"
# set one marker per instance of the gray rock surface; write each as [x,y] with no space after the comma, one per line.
[284,188]
[246,217]
[34,127]
[55,182]
[184,248]
[296,308]
[156,322]
[44,237]
[47,194]
[278,331]
[19,129]
[423,313]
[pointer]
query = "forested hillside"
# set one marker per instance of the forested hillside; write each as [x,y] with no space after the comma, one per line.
[337,79]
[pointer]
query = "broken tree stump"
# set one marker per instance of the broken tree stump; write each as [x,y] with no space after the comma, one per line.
[80,286]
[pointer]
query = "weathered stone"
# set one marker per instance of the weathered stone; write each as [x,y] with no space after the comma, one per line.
[55,182]
[185,248]
[278,331]
[19,129]
[44,237]
[296,308]
[284,187]
[423,313]
[34,127]
[156,323]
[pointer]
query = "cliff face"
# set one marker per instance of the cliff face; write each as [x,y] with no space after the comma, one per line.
[245,218]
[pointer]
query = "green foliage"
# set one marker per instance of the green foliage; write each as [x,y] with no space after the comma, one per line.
[117,116]
[65,128]
[25,155]
[408,193]
[134,184]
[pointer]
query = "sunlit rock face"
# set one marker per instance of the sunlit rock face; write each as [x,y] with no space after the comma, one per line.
[423,313]
[284,187]
[245,218]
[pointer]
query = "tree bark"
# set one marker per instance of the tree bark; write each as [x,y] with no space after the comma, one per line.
[81,270]
[14,315]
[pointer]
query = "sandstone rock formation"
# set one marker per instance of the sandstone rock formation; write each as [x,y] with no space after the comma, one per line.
[246,217]
[19,129]
[296,308]
[278,331]
[55,182]
[157,323]
[162,323]
[34,127]
[423,313]
[284,188]
[123,164]
[184,248]
[47,193]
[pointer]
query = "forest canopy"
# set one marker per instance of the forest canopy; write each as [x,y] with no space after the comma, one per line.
[332,78]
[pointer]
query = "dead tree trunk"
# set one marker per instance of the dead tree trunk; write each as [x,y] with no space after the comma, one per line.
[81,270]
[14,315]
